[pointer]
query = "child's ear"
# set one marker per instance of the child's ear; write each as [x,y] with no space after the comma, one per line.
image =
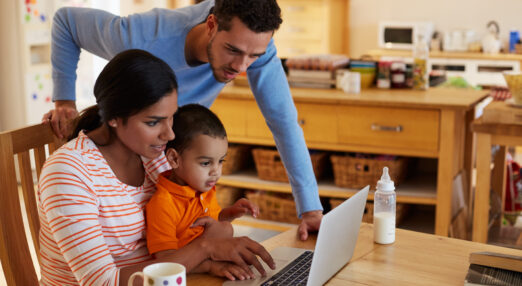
[173,158]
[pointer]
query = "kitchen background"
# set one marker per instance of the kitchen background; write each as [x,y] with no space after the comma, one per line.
[361,27]
[446,15]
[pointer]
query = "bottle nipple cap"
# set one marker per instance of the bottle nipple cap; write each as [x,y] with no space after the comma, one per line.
[385,183]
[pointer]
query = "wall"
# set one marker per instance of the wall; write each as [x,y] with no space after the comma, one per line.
[137,6]
[445,14]
[12,113]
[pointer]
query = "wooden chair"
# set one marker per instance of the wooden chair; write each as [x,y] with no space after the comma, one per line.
[15,255]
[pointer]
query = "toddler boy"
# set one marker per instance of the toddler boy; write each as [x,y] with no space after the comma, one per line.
[188,192]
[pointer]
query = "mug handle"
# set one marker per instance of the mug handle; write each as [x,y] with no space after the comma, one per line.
[131,278]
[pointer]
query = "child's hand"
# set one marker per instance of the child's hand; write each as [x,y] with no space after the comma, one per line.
[228,270]
[238,209]
[214,228]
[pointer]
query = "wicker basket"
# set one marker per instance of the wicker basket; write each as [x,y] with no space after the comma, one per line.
[227,196]
[400,211]
[276,207]
[352,172]
[237,158]
[270,167]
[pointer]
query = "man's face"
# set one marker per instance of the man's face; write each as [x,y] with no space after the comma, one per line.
[232,52]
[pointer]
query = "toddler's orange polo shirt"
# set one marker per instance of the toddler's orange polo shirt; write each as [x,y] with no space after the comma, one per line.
[172,210]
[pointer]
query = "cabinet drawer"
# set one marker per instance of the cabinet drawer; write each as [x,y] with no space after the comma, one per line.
[306,30]
[232,112]
[302,10]
[287,48]
[319,122]
[389,127]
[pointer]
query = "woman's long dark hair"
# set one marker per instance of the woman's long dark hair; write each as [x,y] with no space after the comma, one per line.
[132,81]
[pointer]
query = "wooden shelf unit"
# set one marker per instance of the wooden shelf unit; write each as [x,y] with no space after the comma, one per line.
[434,124]
[419,191]
[312,27]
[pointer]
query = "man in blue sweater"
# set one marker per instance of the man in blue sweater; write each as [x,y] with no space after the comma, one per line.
[207,45]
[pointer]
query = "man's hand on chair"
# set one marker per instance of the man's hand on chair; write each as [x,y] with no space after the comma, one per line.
[60,117]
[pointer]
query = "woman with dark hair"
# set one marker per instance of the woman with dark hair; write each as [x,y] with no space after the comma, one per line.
[92,191]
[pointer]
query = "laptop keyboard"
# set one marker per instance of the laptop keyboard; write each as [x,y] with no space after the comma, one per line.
[295,273]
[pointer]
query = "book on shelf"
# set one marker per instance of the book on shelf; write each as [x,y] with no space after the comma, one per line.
[489,268]
[324,85]
[317,62]
[310,74]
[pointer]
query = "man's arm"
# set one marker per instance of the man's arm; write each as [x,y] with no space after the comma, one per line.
[270,87]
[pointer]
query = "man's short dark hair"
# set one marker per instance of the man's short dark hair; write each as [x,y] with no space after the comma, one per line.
[258,15]
[192,120]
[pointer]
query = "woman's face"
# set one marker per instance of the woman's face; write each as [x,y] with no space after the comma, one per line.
[147,132]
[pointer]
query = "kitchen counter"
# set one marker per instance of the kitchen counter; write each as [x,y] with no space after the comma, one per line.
[449,55]
[450,98]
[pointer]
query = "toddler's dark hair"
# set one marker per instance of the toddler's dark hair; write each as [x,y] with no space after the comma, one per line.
[192,120]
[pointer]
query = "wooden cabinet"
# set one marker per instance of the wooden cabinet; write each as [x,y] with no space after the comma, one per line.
[312,27]
[425,124]
[318,121]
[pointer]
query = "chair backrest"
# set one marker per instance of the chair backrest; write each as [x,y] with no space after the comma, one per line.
[15,255]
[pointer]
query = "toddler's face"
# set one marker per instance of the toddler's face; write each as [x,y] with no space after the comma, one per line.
[201,163]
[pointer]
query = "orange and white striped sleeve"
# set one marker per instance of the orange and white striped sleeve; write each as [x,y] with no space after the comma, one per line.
[69,206]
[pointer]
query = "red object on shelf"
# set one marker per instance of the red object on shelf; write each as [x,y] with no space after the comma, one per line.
[513,199]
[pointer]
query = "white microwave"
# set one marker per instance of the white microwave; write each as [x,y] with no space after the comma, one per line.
[403,35]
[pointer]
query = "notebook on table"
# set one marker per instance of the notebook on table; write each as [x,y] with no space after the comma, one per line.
[334,249]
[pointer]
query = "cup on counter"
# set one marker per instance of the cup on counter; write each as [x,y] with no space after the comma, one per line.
[351,82]
[160,274]
[514,83]
[339,76]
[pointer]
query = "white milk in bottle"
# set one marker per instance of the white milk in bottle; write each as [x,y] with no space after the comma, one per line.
[384,210]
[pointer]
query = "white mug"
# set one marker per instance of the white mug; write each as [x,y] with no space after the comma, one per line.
[162,274]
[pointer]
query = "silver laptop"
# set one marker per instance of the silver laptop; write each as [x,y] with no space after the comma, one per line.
[334,249]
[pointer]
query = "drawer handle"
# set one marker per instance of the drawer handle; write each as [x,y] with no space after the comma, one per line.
[377,127]
[301,122]
[295,8]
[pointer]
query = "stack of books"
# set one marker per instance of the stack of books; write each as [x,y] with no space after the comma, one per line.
[314,71]
[488,268]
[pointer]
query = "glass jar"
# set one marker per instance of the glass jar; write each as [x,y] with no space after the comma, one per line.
[383,76]
[398,74]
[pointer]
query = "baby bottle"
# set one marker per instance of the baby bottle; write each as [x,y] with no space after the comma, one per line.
[384,210]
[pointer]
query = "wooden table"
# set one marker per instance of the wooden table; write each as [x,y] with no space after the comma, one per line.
[414,259]
[502,130]
[433,124]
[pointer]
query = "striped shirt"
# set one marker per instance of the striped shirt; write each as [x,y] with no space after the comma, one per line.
[91,224]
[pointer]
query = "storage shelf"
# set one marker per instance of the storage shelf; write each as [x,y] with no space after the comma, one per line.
[419,190]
